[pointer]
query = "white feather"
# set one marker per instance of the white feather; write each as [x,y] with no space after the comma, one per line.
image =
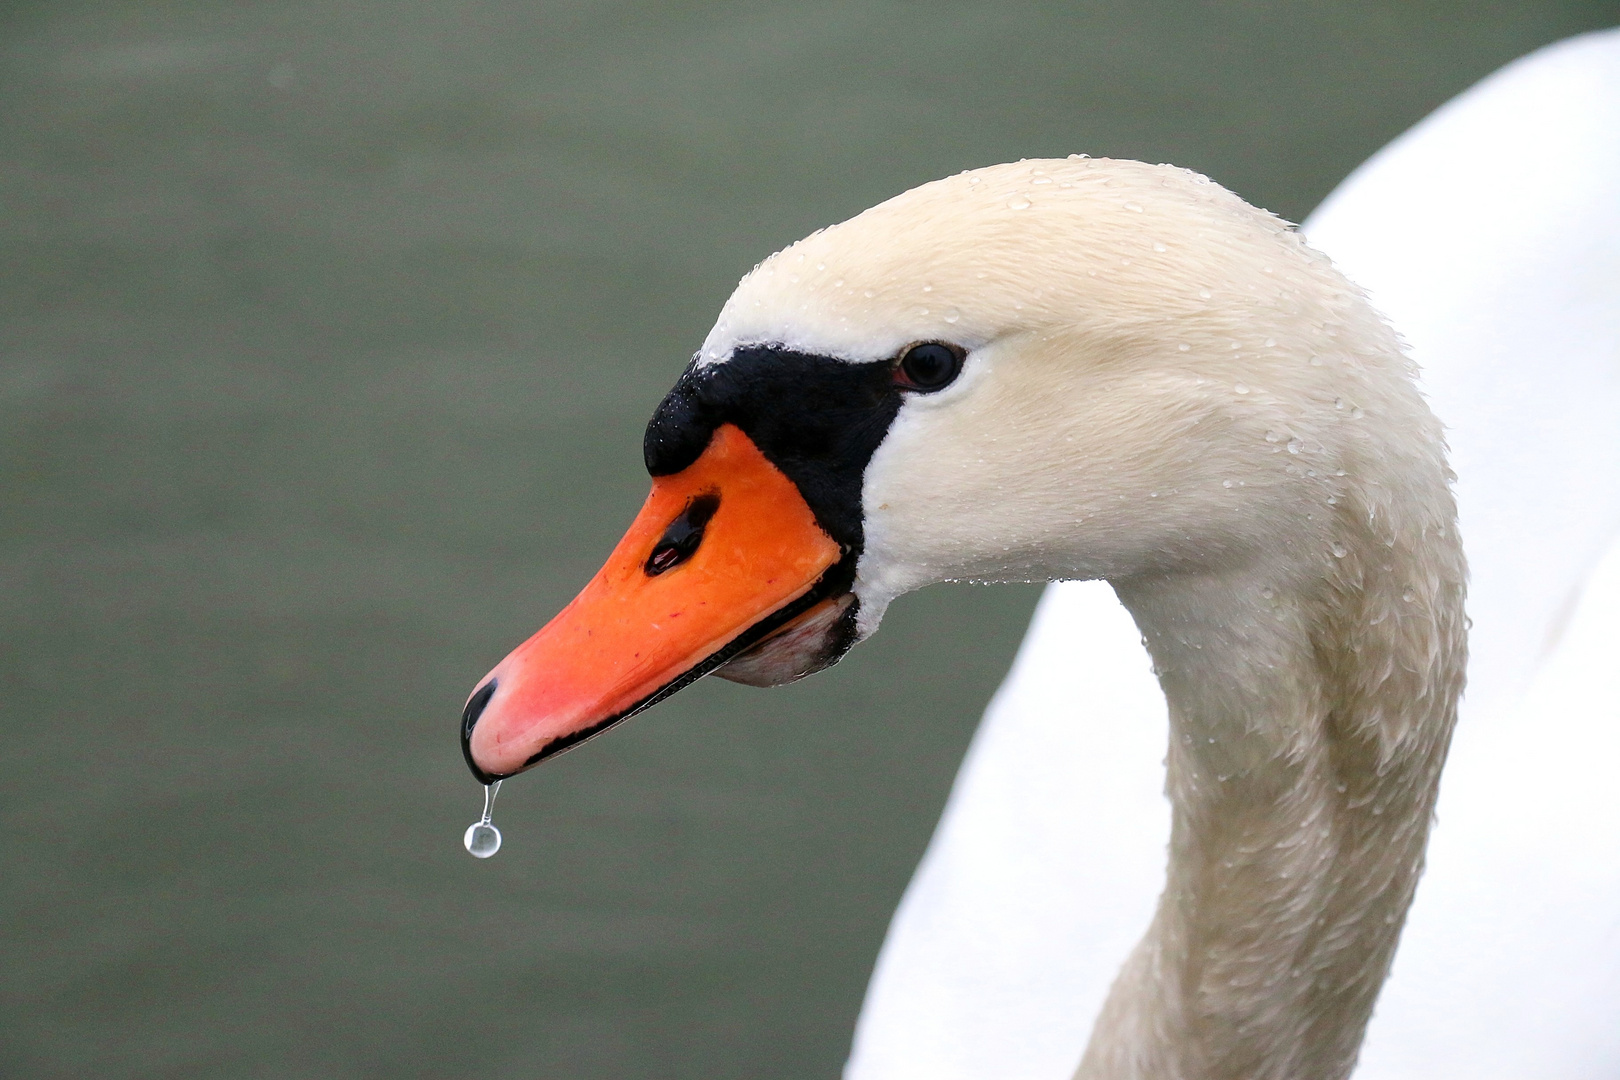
[1490,235]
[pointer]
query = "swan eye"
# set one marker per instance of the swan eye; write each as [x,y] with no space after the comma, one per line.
[931,366]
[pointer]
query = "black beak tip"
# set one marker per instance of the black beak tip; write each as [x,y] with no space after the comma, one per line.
[469,720]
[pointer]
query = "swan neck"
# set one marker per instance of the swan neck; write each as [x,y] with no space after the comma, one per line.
[1301,794]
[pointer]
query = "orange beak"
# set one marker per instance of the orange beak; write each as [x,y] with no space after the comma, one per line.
[723,554]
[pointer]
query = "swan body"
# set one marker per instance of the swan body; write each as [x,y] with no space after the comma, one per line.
[1490,234]
[1080,369]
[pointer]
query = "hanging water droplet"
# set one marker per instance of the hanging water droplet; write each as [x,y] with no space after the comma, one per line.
[1409,594]
[1339,550]
[1159,247]
[1226,483]
[1241,388]
[1273,436]
[1183,347]
[952,314]
[1203,294]
[1294,446]
[1133,208]
[1018,202]
[1041,180]
[482,838]
[1357,414]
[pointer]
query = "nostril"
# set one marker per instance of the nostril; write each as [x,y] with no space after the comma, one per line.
[475,708]
[680,541]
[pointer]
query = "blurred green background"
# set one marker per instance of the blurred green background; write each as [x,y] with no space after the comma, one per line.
[327,332]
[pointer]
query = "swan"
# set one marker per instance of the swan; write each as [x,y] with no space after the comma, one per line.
[1490,235]
[1079,369]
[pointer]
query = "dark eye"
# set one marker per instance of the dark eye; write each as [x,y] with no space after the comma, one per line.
[930,366]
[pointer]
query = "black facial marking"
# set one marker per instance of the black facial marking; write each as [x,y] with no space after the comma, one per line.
[817,418]
[680,541]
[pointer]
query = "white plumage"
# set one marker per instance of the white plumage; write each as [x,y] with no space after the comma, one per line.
[1490,235]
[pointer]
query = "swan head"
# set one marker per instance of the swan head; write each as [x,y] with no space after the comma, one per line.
[1035,371]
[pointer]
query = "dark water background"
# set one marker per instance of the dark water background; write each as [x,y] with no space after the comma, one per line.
[327,332]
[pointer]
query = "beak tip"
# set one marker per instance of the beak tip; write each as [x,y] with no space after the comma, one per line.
[469,720]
